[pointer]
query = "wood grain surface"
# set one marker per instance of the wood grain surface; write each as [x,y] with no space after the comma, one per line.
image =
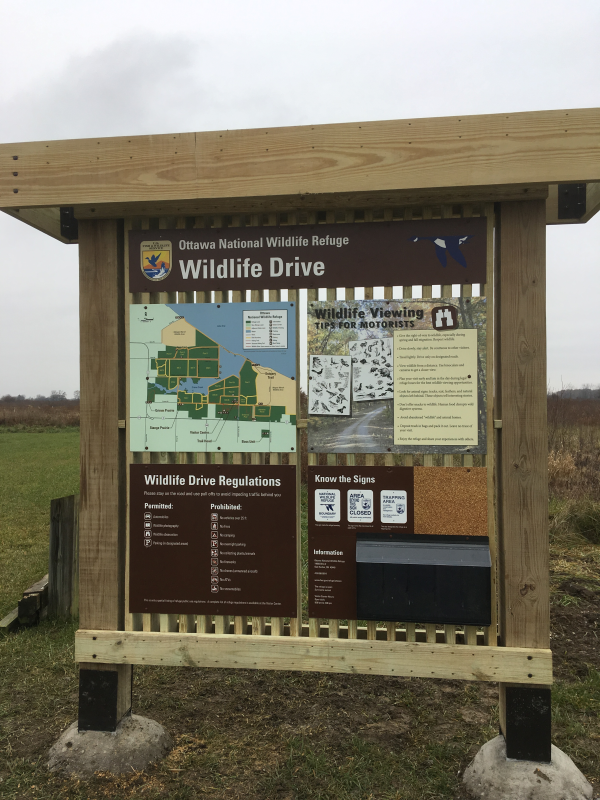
[102,500]
[483,151]
[522,450]
[412,659]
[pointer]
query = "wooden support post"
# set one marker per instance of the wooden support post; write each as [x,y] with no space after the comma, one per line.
[63,566]
[103,701]
[524,617]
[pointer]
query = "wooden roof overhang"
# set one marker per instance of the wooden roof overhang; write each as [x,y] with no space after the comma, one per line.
[467,159]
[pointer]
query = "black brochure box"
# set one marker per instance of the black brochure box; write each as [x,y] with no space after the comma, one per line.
[444,579]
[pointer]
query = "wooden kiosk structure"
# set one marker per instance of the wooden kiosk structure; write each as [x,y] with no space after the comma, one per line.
[521,171]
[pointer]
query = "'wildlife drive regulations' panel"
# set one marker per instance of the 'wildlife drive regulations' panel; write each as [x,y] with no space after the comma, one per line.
[213,539]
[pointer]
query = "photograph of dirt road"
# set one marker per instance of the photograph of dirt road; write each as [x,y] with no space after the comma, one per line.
[334,328]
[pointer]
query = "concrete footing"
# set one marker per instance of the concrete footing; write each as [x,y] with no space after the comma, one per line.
[494,777]
[135,744]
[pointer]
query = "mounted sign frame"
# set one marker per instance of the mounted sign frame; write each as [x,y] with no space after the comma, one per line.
[497,171]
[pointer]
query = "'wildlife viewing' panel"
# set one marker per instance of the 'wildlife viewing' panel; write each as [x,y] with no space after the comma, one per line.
[397,376]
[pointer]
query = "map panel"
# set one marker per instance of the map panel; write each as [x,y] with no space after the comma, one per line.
[213,377]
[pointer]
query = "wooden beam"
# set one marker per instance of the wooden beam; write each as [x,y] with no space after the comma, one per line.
[46,220]
[101,516]
[292,204]
[409,659]
[483,152]
[522,451]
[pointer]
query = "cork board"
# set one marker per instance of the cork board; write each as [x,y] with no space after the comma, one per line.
[451,501]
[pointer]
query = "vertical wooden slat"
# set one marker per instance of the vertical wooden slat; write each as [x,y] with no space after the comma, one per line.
[489,460]
[275,458]
[169,623]
[133,622]
[187,622]
[150,622]
[222,622]
[296,459]
[257,296]
[240,621]
[313,623]
[203,621]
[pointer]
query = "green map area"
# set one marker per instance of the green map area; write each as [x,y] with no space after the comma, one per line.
[235,396]
[212,377]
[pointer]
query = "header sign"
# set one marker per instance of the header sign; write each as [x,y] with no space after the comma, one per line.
[441,251]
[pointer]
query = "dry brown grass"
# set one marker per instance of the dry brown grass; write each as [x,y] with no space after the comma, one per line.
[573,448]
[18,415]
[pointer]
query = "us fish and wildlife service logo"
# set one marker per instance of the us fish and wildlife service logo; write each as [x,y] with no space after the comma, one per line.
[156,261]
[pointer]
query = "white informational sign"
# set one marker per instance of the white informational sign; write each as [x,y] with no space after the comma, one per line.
[372,369]
[393,504]
[329,385]
[327,505]
[360,505]
[435,398]
[265,330]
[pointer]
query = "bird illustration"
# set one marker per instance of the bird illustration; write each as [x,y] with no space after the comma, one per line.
[153,259]
[446,244]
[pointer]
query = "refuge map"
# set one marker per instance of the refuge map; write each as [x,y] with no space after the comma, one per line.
[213,377]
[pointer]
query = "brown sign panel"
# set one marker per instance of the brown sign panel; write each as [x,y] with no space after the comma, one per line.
[441,251]
[342,502]
[213,539]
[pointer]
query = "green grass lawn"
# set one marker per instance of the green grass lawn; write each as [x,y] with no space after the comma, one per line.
[35,468]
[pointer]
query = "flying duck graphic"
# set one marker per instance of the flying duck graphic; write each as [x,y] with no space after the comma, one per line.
[153,259]
[156,270]
[447,244]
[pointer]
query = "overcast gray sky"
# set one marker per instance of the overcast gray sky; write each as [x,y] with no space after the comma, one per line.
[78,69]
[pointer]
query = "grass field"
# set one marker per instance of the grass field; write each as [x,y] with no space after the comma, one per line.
[35,467]
[282,736]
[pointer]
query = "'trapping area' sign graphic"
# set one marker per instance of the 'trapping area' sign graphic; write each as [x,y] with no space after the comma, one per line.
[442,251]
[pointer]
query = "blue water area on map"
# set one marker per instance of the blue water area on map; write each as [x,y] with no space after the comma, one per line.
[224,323]
[230,363]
